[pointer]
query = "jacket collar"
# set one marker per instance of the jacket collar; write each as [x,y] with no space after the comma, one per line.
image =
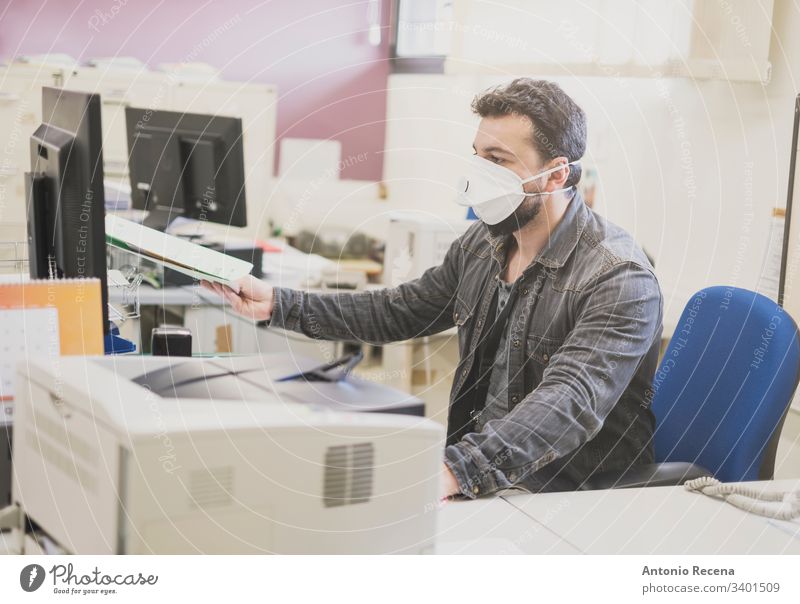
[561,243]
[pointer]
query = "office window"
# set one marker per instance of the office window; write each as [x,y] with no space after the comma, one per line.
[424,27]
[422,34]
[705,39]
[571,32]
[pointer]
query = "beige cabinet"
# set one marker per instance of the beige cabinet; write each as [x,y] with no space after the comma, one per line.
[118,89]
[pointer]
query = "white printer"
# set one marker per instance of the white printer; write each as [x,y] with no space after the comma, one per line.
[161,455]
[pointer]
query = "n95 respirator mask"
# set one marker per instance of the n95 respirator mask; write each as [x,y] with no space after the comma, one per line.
[495,192]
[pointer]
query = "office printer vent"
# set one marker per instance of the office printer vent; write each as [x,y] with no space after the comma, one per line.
[61,459]
[63,449]
[348,474]
[211,487]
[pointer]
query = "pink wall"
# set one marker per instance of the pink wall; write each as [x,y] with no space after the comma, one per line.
[331,81]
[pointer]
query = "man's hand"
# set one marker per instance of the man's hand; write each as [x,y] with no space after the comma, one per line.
[449,482]
[253,300]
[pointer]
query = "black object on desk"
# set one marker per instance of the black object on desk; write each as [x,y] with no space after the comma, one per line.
[171,340]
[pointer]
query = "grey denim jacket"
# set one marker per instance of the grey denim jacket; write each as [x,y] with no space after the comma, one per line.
[584,337]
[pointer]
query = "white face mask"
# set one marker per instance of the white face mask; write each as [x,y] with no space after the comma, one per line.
[495,192]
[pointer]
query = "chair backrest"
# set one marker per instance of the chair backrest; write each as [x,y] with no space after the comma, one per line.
[725,383]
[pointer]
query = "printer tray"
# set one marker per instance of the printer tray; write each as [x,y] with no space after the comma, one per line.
[251,378]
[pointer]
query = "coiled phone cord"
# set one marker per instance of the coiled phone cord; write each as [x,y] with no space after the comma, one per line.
[749,499]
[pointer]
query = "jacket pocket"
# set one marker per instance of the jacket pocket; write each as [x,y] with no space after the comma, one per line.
[541,349]
[461,312]
[538,354]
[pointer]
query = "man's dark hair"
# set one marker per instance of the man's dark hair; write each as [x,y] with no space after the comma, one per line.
[559,125]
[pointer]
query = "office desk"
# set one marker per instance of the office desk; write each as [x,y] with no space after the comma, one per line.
[659,520]
[494,526]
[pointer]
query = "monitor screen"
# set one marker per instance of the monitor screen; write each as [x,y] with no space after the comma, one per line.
[186,164]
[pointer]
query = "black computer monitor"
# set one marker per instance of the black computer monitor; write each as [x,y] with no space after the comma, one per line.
[65,194]
[186,164]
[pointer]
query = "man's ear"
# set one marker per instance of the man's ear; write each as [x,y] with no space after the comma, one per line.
[558,179]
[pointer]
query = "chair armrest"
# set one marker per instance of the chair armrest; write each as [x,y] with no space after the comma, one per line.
[668,474]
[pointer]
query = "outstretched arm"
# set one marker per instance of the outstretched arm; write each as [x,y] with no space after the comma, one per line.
[420,307]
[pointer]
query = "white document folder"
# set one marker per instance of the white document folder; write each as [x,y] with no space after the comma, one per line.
[175,253]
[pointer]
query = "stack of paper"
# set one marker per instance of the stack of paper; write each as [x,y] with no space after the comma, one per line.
[180,255]
[293,268]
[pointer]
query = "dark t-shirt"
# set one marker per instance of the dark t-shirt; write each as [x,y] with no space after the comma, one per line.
[497,394]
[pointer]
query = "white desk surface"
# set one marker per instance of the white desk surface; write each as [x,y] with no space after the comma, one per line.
[493,526]
[659,520]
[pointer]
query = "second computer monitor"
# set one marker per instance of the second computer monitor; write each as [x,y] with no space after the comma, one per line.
[186,164]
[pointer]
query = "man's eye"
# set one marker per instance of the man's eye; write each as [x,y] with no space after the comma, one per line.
[494,159]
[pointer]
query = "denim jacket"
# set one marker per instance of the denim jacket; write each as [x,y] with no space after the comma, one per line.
[584,336]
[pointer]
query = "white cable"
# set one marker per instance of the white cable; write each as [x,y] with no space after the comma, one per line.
[750,499]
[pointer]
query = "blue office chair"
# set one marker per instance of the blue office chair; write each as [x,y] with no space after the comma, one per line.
[721,392]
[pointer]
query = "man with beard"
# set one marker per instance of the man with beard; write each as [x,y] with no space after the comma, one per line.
[558,311]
